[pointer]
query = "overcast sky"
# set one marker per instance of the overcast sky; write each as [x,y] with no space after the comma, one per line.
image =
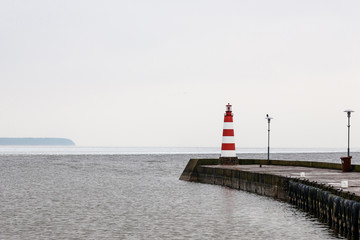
[159,73]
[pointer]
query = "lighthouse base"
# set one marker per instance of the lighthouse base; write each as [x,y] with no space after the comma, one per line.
[228,161]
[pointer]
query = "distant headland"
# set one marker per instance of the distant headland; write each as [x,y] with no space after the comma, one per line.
[36,142]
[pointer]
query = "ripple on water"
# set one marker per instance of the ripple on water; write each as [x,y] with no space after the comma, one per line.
[134,197]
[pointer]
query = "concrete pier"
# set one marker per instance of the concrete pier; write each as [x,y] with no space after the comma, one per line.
[322,189]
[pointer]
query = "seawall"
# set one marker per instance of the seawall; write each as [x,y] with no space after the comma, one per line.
[319,193]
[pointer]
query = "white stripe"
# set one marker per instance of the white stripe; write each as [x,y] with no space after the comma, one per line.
[228,153]
[228,125]
[228,139]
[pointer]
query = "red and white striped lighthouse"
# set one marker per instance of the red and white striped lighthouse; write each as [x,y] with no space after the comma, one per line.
[228,155]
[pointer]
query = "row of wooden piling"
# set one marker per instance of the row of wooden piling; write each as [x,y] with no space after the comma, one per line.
[340,214]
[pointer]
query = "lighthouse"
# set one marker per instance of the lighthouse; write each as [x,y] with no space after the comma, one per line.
[228,155]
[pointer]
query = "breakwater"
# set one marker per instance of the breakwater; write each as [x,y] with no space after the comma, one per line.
[319,192]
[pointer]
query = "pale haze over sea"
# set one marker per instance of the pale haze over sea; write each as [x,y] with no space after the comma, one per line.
[297,154]
[76,150]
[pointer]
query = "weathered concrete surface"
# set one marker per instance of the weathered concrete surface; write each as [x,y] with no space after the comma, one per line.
[264,184]
[190,173]
[318,175]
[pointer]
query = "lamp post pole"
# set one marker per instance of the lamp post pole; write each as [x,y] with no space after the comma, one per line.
[348,116]
[268,149]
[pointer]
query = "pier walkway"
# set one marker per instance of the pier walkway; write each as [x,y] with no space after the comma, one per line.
[329,177]
[320,188]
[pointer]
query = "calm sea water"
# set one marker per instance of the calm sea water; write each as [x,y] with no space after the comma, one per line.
[102,194]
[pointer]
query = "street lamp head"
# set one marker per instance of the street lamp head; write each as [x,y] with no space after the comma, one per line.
[268,117]
[348,112]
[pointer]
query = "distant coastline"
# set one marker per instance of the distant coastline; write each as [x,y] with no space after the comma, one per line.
[36,142]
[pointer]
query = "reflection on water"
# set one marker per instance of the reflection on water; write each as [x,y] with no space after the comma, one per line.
[134,197]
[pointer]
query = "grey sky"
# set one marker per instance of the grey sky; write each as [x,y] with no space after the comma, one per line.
[159,73]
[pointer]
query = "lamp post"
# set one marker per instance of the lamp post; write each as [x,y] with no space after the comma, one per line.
[348,116]
[268,150]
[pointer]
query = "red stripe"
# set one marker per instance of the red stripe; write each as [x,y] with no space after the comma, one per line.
[228,119]
[228,132]
[228,146]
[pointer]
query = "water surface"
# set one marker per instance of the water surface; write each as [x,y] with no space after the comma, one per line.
[137,196]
